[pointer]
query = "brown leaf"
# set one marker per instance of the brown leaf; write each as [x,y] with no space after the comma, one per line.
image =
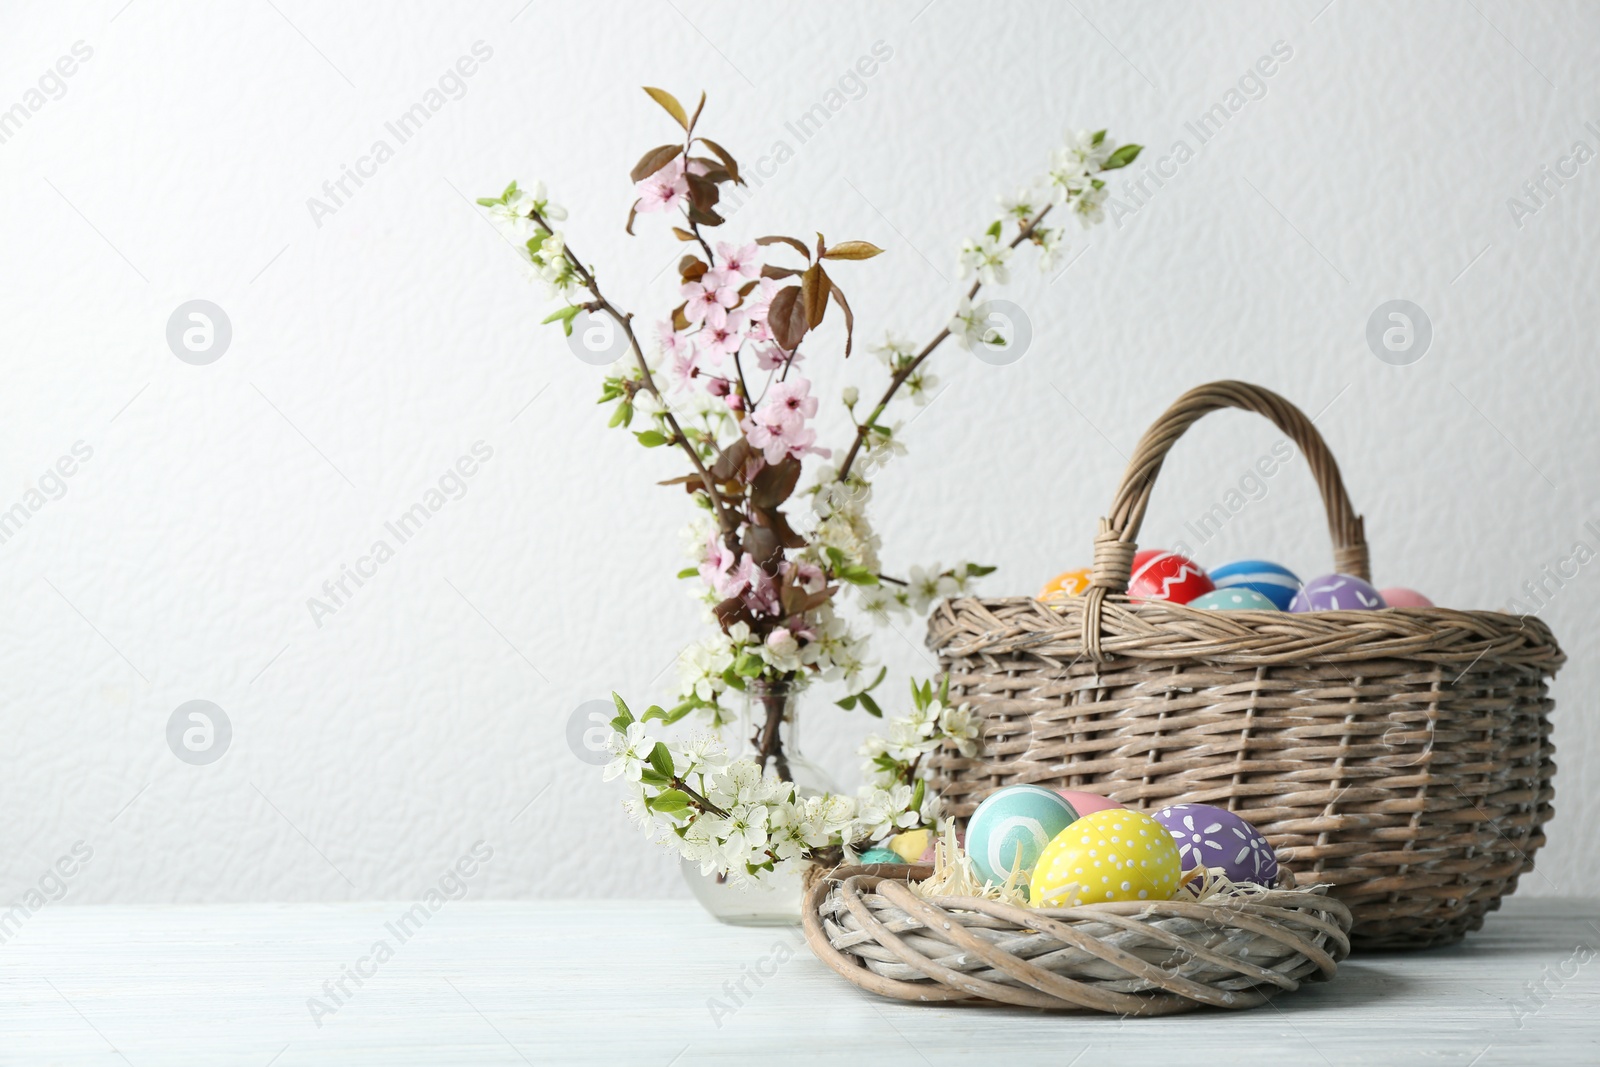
[774,520]
[814,286]
[691,267]
[853,250]
[729,466]
[769,271]
[633,213]
[679,321]
[731,611]
[849,317]
[670,105]
[787,318]
[700,216]
[804,251]
[775,482]
[680,233]
[762,543]
[744,290]
[683,479]
[703,192]
[726,157]
[654,160]
[701,106]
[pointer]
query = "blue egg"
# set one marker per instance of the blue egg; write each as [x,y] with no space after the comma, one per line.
[1238,598]
[1273,581]
[1011,828]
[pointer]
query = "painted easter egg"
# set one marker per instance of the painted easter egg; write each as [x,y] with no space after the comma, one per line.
[1162,575]
[1220,839]
[1065,584]
[1011,828]
[1272,580]
[1398,597]
[880,855]
[911,844]
[1110,855]
[1239,599]
[1087,803]
[1337,592]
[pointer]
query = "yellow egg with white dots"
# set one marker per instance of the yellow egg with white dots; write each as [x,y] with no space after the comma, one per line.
[1109,855]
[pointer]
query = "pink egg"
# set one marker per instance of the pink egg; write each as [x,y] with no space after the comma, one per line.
[1398,597]
[1087,803]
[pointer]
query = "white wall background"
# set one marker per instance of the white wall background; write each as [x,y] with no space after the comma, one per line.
[372,351]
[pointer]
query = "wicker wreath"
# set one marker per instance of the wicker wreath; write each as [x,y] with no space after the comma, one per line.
[1401,755]
[1130,958]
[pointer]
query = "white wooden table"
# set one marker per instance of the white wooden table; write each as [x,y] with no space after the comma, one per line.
[658,984]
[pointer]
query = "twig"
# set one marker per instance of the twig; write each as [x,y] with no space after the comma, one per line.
[728,520]
[905,372]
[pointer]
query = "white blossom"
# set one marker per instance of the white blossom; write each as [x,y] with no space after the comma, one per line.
[986,257]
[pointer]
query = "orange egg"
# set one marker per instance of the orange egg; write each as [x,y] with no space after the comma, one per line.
[1065,584]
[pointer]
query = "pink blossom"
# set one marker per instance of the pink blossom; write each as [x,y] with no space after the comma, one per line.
[685,365]
[734,401]
[741,261]
[780,439]
[672,342]
[763,594]
[761,298]
[718,386]
[771,357]
[790,401]
[725,283]
[702,305]
[714,571]
[723,340]
[664,189]
[808,575]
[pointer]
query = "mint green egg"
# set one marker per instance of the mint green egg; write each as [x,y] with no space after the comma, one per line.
[1011,828]
[1236,598]
[880,855]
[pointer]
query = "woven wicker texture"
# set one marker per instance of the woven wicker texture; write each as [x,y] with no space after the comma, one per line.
[1134,958]
[1402,756]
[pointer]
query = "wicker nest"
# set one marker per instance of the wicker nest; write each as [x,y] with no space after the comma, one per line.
[1402,756]
[1133,958]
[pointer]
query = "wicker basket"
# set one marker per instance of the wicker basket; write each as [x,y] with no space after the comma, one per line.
[1133,958]
[1401,755]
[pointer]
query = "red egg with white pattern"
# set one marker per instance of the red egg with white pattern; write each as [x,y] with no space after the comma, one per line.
[1162,575]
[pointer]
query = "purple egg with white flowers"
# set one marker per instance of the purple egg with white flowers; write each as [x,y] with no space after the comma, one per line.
[1221,840]
[1337,592]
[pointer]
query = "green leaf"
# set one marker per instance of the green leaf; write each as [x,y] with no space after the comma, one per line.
[849,702]
[1099,135]
[661,759]
[670,802]
[489,201]
[511,190]
[689,572]
[565,314]
[654,712]
[944,691]
[882,673]
[870,704]
[651,438]
[624,717]
[975,570]
[994,229]
[1123,156]
[536,242]
[856,575]
[916,795]
[749,665]
[650,776]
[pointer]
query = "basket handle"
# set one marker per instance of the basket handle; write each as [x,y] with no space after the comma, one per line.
[1114,543]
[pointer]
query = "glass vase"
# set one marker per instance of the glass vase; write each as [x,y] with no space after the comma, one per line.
[775,900]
